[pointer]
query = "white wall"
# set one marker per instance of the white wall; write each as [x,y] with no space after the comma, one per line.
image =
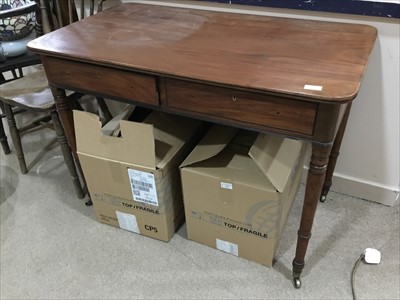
[369,163]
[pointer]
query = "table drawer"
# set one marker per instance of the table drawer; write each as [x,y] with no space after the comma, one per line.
[249,108]
[101,80]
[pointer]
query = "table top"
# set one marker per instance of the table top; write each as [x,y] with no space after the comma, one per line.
[315,60]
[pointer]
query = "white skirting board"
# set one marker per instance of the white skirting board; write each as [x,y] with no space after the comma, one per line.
[354,187]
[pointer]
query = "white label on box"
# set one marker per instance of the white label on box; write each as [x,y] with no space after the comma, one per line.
[312,87]
[127,222]
[143,187]
[227,247]
[226,185]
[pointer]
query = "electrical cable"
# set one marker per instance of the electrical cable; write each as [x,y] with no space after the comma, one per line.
[353,274]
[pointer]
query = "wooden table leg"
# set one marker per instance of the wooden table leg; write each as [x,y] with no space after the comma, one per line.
[334,154]
[64,110]
[66,151]
[315,180]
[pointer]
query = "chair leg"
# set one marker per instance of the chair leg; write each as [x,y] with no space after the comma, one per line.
[15,137]
[66,151]
[76,105]
[3,136]
[3,139]
[104,108]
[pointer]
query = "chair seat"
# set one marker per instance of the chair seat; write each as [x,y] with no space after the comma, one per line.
[30,92]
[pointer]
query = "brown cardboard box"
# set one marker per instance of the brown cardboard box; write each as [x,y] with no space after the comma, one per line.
[238,188]
[133,179]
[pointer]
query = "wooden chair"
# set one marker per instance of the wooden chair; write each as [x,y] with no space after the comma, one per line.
[14,65]
[31,92]
[28,93]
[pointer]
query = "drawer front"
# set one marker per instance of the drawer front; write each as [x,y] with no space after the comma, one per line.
[101,80]
[249,108]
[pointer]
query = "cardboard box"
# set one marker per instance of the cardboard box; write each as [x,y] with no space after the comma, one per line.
[238,188]
[133,179]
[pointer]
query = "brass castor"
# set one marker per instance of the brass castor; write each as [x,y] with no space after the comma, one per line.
[322,199]
[89,202]
[296,280]
[297,283]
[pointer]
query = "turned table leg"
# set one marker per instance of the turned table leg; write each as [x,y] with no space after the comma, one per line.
[315,180]
[66,151]
[67,120]
[64,110]
[334,154]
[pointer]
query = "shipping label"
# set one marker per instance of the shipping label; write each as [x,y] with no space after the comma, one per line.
[143,187]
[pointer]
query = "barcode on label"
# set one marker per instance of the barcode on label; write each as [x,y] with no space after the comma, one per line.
[147,201]
[143,187]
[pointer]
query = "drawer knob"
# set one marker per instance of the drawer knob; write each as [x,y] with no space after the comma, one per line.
[234,98]
[99,75]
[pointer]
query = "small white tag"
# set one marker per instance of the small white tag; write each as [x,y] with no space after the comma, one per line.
[143,187]
[313,87]
[227,247]
[127,222]
[226,185]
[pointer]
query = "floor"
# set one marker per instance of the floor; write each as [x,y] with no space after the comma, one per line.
[52,247]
